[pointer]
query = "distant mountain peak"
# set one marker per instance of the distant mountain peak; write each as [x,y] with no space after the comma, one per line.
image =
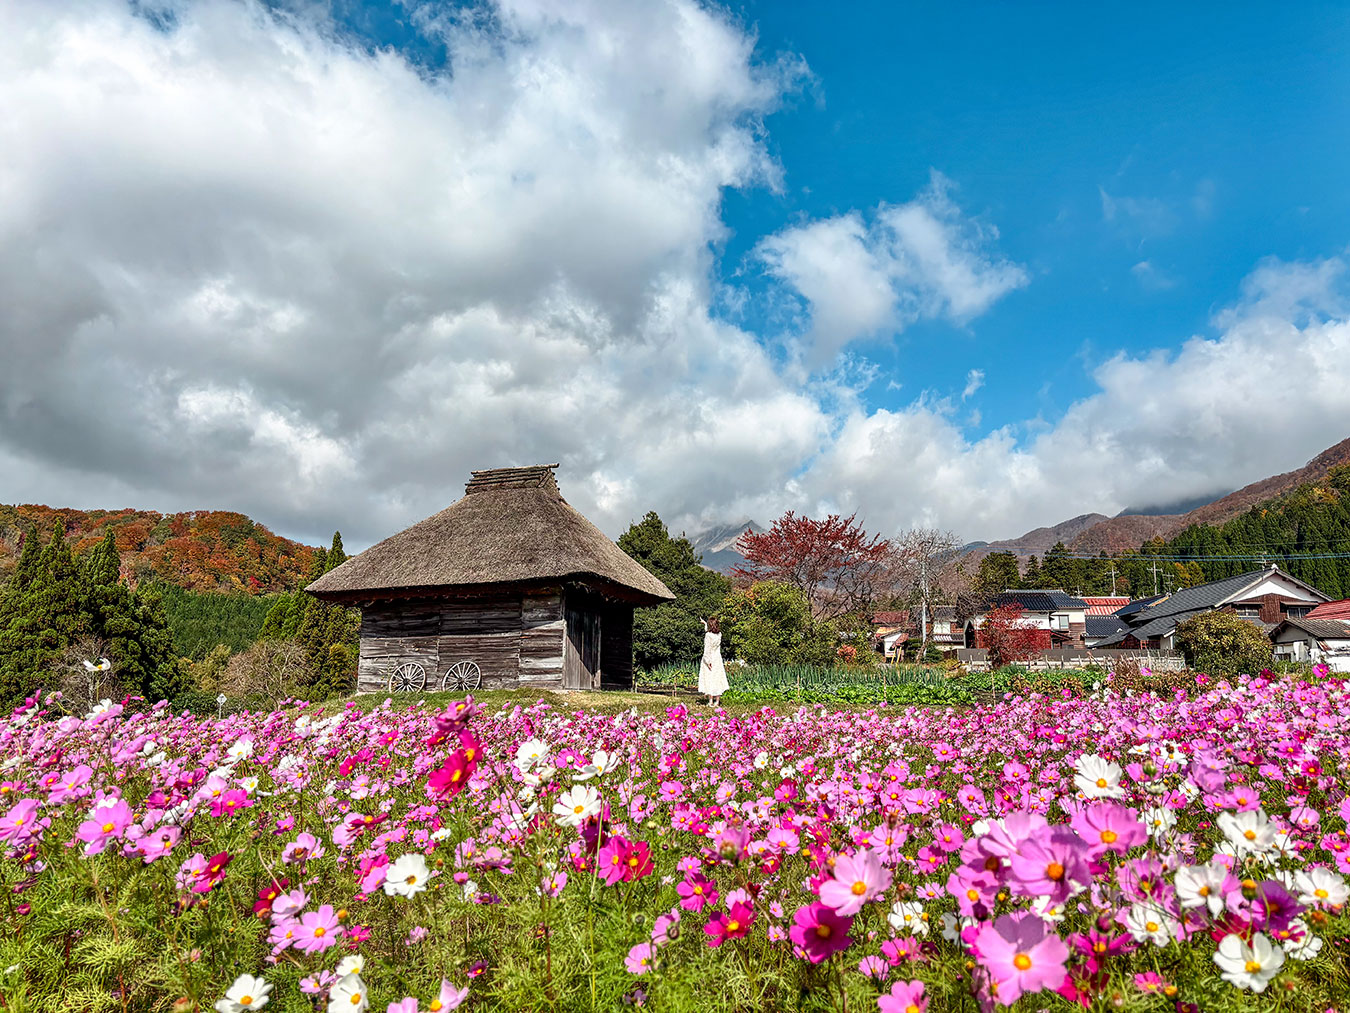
[717,545]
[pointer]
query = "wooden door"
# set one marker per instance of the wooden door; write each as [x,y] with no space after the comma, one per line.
[581,652]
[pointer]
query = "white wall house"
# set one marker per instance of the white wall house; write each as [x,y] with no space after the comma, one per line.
[1314,640]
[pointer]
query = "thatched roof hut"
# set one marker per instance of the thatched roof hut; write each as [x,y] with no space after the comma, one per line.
[509,578]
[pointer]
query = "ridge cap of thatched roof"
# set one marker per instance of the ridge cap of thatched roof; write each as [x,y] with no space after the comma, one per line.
[511,526]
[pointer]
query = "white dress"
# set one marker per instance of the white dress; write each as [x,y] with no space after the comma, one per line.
[712,674]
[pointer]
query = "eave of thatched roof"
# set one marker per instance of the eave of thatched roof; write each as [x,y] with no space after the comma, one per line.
[511,527]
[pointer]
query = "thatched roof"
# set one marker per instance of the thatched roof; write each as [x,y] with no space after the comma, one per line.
[512,526]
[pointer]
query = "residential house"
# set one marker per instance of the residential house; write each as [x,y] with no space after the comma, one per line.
[1264,597]
[1316,640]
[1101,605]
[1061,617]
[892,629]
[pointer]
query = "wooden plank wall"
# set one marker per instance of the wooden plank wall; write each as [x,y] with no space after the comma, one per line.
[513,638]
[541,640]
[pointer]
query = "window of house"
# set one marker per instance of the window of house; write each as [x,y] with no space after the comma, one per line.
[944,628]
[1059,621]
[1296,611]
[1248,611]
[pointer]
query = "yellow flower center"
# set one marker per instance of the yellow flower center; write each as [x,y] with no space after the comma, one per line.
[1320,894]
[823,931]
[1252,967]
[107,828]
[356,998]
[1151,926]
[411,880]
[1109,836]
[733,925]
[1203,891]
[911,1008]
[1101,782]
[578,809]
[1249,834]
[859,888]
[1022,962]
[436,1006]
[973,895]
[320,931]
[1054,871]
[246,1000]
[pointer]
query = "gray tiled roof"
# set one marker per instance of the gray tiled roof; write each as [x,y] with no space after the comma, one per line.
[1328,629]
[1040,601]
[1198,598]
[1104,626]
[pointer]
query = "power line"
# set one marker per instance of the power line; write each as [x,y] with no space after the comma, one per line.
[1187,558]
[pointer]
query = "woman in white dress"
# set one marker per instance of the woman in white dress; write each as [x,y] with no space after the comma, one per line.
[712,674]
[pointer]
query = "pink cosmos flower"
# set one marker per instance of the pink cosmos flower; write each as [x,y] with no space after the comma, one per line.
[734,924]
[451,777]
[904,997]
[405,1005]
[820,932]
[1051,864]
[302,849]
[667,927]
[285,932]
[104,825]
[72,785]
[318,930]
[1107,826]
[211,872]
[1021,955]
[372,873]
[640,958]
[874,967]
[158,843]
[857,879]
[696,893]
[448,998]
[19,823]
[553,885]
[230,802]
[289,904]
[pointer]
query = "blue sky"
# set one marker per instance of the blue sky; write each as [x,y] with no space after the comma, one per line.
[937,265]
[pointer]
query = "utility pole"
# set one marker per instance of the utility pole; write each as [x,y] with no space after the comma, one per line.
[1154,568]
[923,605]
[1113,578]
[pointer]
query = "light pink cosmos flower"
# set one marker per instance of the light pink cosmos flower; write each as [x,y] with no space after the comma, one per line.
[289,904]
[284,934]
[157,843]
[19,823]
[1107,826]
[640,958]
[553,885]
[1021,955]
[405,1005]
[858,878]
[318,930]
[448,998]
[904,997]
[302,849]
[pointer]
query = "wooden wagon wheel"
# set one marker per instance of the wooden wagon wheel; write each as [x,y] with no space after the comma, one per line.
[463,675]
[408,677]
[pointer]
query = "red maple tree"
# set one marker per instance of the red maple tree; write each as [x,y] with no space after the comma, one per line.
[1007,638]
[838,566]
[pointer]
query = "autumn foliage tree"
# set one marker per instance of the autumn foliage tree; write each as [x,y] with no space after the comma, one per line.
[1007,638]
[835,563]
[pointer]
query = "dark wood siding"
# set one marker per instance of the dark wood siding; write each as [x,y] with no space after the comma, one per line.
[524,637]
[616,647]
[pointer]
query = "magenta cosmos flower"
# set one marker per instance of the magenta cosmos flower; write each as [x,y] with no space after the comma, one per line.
[820,932]
[857,879]
[318,930]
[904,997]
[696,893]
[734,924]
[1052,864]
[18,823]
[105,824]
[1020,956]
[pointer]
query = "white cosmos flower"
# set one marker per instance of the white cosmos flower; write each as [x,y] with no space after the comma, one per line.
[247,993]
[1202,886]
[1096,777]
[348,995]
[1148,923]
[907,916]
[1320,887]
[406,876]
[1307,947]
[600,765]
[103,705]
[528,753]
[1159,820]
[1047,910]
[1249,966]
[576,805]
[241,749]
[761,760]
[1248,832]
[353,964]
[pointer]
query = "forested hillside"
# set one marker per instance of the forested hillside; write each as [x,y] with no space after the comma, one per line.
[201,550]
[1312,520]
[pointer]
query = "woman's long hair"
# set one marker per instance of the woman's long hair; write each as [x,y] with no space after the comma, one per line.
[713,625]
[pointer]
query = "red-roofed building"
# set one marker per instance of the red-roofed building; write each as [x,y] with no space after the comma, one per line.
[1331,610]
[1104,606]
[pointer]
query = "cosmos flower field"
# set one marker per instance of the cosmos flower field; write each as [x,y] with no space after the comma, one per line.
[1184,852]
